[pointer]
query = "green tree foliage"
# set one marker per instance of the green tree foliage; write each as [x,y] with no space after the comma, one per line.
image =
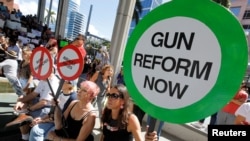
[225,3]
[52,15]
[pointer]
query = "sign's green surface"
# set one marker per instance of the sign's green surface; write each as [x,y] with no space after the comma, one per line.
[188,59]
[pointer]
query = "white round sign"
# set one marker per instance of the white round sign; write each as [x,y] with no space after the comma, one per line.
[176,61]
[70,62]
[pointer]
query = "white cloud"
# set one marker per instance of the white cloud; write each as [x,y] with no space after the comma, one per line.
[30,7]
[93,30]
[27,7]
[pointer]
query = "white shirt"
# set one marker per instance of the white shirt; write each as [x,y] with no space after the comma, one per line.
[244,110]
[62,100]
[10,67]
[44,90]
[19,57]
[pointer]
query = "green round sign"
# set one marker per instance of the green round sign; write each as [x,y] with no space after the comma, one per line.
[185,60]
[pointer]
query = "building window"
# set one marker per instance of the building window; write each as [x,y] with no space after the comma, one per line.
[246,14]
[235,10]
[246,27]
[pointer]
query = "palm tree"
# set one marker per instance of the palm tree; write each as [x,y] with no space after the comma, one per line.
[52,16]
[137,11]
[225,3]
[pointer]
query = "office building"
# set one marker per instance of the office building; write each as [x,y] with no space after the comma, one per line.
[147,6]
[241,9]
[10,4]
[75,25]
[74,20]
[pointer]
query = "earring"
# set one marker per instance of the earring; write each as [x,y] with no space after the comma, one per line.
[121,107]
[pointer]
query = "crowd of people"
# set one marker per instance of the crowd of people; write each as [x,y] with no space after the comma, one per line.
[72,115]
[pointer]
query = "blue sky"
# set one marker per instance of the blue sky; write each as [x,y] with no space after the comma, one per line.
[102,17]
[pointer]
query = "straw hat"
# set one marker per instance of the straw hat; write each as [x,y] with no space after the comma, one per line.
[11,53]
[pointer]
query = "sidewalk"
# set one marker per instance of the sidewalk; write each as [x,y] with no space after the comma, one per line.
[7,101]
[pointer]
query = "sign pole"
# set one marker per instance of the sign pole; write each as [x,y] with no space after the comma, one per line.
[52,92]
[59,88]
[152,123]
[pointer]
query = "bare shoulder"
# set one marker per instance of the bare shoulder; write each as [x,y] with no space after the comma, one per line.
[133,123]
[91,116]
[72,103]
[93,113]
[132,118]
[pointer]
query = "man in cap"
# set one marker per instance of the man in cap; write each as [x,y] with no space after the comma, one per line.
[9,69]
[79,43]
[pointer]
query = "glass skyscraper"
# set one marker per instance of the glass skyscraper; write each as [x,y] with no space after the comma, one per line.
[147,6]
[74,21]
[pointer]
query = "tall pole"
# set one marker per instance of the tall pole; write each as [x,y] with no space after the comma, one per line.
[120,33]
[87,26]
[49,14]
[40,10]
[61,17]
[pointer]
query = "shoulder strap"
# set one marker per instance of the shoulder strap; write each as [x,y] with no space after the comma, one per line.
[72,107]
[86,115]
[64,122]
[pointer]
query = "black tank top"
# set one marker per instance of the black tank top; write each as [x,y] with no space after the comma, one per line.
[112,133]
[74,126]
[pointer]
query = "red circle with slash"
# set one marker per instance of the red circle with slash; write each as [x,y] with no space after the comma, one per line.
[41,63]
[70,62]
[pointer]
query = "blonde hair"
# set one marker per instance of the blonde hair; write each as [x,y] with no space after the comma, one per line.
[105,67]
[26,50]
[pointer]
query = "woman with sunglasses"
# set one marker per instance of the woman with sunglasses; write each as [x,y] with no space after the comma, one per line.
[118,121]
[79,116]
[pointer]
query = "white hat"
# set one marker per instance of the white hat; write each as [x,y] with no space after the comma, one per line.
[11,53]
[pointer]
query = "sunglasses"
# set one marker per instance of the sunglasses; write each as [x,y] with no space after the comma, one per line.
[50,46]
[114,95]
[78,38]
